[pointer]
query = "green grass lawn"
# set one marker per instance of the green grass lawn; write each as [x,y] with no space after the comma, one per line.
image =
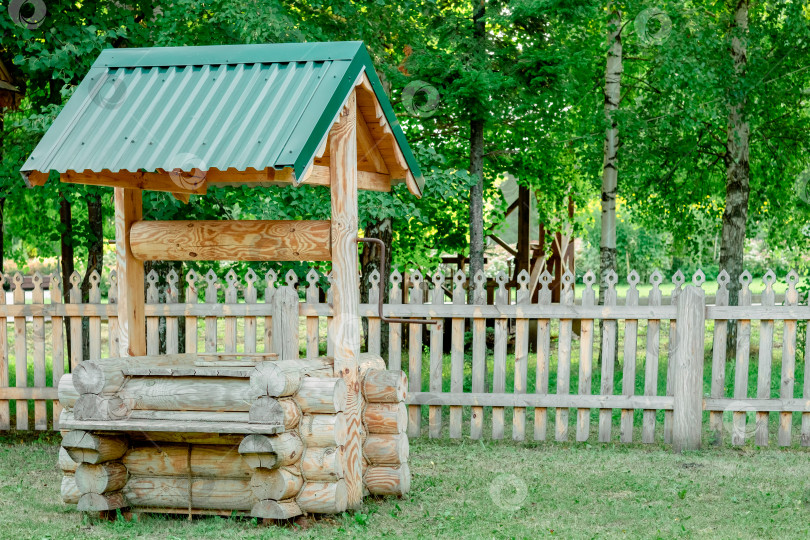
[464,489]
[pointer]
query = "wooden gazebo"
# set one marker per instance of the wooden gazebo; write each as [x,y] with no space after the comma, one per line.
[180,120]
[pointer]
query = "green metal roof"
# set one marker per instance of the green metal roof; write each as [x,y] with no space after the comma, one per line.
[226,106]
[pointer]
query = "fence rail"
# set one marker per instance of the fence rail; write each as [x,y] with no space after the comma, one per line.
[634,369]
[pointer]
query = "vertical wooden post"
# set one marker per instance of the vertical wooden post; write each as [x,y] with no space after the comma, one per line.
[131,318]
[688,392]
[346,285]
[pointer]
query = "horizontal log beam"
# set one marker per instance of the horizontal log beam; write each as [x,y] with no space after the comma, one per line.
[241,240]
[197,182]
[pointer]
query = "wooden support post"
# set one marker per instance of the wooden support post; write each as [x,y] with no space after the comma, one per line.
[346,286]
[131,321]
[688,392]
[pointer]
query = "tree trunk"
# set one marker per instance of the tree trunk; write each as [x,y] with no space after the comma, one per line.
[610,170]
[66,253]
[95,254]
[737,169]
[477,160]
[370,261]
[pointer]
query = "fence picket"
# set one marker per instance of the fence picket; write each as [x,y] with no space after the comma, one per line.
[765,360]
[313,336]
[742,360]
[609,343]
[395,329]
[251,297]
[436,358]
[543,361]
[152,323]
[20,354]
[788,361]
[564,358]
[521,358]
[38,335]
[172,324]
[212,281]
[629,359]
[499,366]
[5,408]
[330,333]
[805,437]
[76,353]
[112,323]
[94,322]
[269,291]
[651,360]
[415,358]
[478,296]
[192,297]
[678,279]
[719,357]
[457,354]
[374,323]
[57,341]
[231,297]
[586,358]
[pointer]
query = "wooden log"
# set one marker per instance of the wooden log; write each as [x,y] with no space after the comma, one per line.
[66,463]
[321,395]
[266,410]
[283,377]
[227,240]
[322,464]
[323,430]
[106,376]
[382,480]
[131,321]
[85,447]
[386,449]
[101,478]
[187,394]
[151,437]
[277,484]
[292,413]
[206,493]
[385,417]
[69,491]
[323,497]
[95,407]
[67,392]
[270,509]
[95,502]
[369,361]
[207,460]
[384,386]
[271,451]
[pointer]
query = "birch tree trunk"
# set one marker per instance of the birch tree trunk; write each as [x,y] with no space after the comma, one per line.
[737,167]
[610,170]
[477,159]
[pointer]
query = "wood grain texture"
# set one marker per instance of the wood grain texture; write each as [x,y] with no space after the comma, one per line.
[322,395]
[131,321]
[270,509]
[69,491]
[388,481]
[324,497]
[764,370]
[741,368]
[169,459]
[651,362]
[687,423]
[322,464]
[585,362]
[101,477]
[629,362]
[94,502]
[231,240]
[278,484]
[86,447]
[206,493]
[187,394]
[543,360]
[271,451]
[384,386]
[324,430]
[385,417]
[719,358]
[415,358]
[386,449]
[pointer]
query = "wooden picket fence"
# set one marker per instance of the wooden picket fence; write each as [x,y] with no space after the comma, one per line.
[478,379]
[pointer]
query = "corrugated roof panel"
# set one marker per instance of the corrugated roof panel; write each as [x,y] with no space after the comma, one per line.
[221,107]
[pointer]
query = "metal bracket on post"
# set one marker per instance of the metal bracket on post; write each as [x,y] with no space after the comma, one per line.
[381,295]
